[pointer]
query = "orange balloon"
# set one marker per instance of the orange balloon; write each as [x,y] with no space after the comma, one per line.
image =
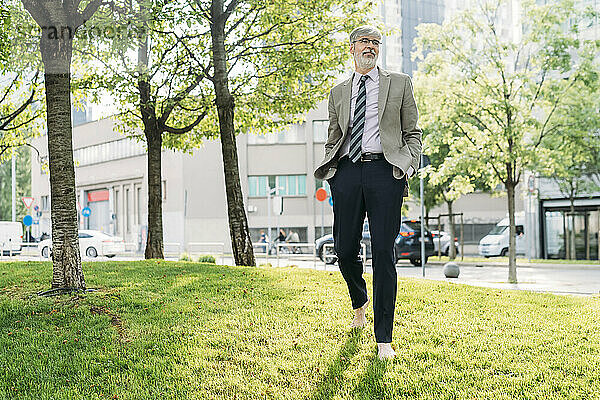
[321,194]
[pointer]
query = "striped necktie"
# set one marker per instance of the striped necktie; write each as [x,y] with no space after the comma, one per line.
[358,126]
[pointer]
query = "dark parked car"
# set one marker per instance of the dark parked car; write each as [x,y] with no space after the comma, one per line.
[407,246]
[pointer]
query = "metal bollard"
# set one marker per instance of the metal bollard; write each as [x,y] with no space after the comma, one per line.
[364,256]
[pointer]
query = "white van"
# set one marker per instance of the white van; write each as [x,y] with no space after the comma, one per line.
[11,237]
[495,243]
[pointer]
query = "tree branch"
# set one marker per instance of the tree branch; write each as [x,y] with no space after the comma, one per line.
[12,116]
[543,132]
[177,98]
[179,131]
[86,14]
[474,144]
[229,9]
[256,9]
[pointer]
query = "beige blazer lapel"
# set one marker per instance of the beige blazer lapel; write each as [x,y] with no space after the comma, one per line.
[345,106]
[384,87]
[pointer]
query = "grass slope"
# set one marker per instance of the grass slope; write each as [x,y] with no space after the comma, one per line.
[178,330]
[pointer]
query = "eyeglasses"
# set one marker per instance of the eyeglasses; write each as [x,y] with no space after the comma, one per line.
[367,41]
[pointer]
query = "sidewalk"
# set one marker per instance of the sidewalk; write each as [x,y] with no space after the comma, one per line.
[572,279]
[553,278]
[521,263]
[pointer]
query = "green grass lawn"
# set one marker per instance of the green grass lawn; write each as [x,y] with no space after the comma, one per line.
[178,330]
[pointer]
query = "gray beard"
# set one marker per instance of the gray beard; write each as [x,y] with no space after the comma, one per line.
[365,62]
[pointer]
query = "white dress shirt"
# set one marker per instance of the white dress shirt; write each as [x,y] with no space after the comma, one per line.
[370,138]
[371,142]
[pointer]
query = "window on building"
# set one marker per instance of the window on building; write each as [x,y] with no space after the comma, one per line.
[288,185]
[272,182]
[302,232]
[45,203]
[321,231]
[138,196]
[291,134]
[117,208]
[164,190]
[108,151]
[127,211]
[292,186]
[320,131]
[252,186]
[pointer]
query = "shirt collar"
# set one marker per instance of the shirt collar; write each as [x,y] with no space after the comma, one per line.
[373,74]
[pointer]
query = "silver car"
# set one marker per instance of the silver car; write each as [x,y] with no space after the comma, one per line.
[441,240]
[91,244]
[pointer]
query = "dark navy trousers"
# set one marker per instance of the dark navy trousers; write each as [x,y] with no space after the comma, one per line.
[368,187]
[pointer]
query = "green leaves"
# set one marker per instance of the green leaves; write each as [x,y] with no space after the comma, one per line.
[283,57]
[5,23]
[494,100]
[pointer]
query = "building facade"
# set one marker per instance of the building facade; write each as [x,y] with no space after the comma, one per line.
[569,228]
[111,177]
[111,181]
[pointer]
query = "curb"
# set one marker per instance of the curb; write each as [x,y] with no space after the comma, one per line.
[519,265]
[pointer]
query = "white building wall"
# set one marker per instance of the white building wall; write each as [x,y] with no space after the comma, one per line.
[204,204]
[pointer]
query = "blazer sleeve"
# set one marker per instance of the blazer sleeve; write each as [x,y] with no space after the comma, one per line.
[410,128]
[334,132]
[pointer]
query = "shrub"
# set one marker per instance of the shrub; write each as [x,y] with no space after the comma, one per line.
[207,258]
[185,257]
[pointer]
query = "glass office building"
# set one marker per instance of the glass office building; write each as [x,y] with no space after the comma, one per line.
[415,12]
[401,17]
[568,232]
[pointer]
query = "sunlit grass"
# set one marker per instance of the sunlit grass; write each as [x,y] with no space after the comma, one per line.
[179,330]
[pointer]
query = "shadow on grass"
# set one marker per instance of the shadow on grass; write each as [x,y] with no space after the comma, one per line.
[333,378]
[372,385]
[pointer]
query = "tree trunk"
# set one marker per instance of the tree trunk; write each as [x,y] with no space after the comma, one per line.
[154,243]
[512,251]
[67,271]
[452,248]
[238,224]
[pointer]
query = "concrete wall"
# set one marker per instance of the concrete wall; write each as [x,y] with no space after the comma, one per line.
[205,205]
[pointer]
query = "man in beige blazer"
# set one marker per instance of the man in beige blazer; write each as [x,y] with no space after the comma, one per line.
[373,146]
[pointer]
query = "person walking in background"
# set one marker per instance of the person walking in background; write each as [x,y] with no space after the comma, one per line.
[282,236]
[264,238]
[293,237]
[279,239]
[373,146]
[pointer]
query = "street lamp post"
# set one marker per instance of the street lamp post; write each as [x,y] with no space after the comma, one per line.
[424,162]
[270,192]
[269,213]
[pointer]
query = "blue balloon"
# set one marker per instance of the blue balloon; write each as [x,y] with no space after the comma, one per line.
[27,220]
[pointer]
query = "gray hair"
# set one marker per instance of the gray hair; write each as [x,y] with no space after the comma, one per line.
[365,30]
